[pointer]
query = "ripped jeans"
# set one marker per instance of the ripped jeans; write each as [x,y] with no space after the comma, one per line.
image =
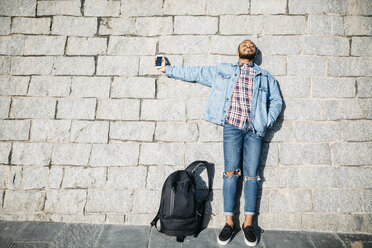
[240,144]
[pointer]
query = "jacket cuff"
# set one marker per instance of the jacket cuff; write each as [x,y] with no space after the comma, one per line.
[168,71]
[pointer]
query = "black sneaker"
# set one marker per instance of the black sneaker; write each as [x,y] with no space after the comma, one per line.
[250,237]
[225,235]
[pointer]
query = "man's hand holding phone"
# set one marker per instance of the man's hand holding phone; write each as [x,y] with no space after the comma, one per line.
[160,63]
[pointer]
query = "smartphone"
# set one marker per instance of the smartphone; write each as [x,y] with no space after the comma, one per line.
[159,59]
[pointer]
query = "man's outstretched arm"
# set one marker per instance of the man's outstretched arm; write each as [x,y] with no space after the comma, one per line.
[200,74]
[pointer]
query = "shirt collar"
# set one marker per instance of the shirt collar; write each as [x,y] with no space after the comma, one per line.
[250,64]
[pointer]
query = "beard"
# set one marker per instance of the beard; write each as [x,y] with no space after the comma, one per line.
[247,56]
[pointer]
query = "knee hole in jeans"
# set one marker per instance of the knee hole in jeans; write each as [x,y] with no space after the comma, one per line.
[252,178]
[229,174]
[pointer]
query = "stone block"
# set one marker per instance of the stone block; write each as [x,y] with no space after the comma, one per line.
[11,45]
[352,153]
[333,87]
[327,222]
[351,177]
[363,223]
[368,109]
[268,7]
[312,177]
[18,8]
[74,66]
[146,201]
[211,152]
[76,108]
[71,154]
[162,154]
[118,109]
[361,46]
[221,7]
[133,87]
[26,107]
[280,45]
[89,131]
[135,219]
[136,131]
[4,170]
[31,153]
[50,130]
[358,7]
[13,86]
[273,177]
[324,24]
[195,108]
[289,200]
[279,24]
[5,25]
[133,178]
[158,174]
[269,154]
[49,86]
[82,178]
[208,59]
[335,200]
[55,177]
[74,26]
[358,130]
[171,88]
[35,178]
[341,109]
[314,7]
[124,154]
[67,7]
[179,132]
[276,65]
[324,131]
[14,178]
[295,86]
[185,44]
[4,155]
[163,110]
[22,25]
[86,46]
[304,153]
[117,26]
[117,65]
[282,221]
[131,46]
[141,8]
[101,8]
[4,65]
[358,25]
[195,25]
[367,196]
[91,87]
[115,218]
[184,7]
[210,132]
[153,26]
[307,65]
[337,46]
[26,201]
[228,24]
[4,107]
[228,44]
[79,219]
[71,201]
[14,129]
[302,109]
[118,201]
[31,65]
[349,66]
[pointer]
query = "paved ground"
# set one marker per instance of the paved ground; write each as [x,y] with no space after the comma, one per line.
[44,234]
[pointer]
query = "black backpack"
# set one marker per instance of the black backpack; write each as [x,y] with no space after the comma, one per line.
[180,213]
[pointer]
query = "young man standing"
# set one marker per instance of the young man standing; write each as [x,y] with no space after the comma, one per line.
[246,100]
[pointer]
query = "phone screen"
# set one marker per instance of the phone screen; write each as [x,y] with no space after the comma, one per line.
[158,61]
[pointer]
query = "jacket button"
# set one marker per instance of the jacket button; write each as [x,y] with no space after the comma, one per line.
[227,98]
[235,74]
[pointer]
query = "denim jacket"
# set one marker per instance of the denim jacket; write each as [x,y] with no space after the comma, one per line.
[266,99]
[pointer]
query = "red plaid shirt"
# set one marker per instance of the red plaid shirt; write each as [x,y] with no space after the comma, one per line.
[240,107]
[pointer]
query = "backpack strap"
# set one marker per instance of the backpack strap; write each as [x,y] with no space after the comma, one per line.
[180,238]
[194,165]
[155,220]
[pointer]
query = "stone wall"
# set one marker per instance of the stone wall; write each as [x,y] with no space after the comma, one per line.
[89,129]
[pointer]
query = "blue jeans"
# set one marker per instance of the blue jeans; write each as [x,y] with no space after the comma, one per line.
[240,144]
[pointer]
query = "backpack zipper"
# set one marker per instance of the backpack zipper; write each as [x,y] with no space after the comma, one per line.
[172,202]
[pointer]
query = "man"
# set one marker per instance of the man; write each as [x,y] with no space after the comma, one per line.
[245,99]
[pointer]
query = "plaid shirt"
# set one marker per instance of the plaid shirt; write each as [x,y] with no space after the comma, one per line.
[240,107]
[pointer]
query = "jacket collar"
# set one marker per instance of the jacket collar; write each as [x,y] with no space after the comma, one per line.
[255,67]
